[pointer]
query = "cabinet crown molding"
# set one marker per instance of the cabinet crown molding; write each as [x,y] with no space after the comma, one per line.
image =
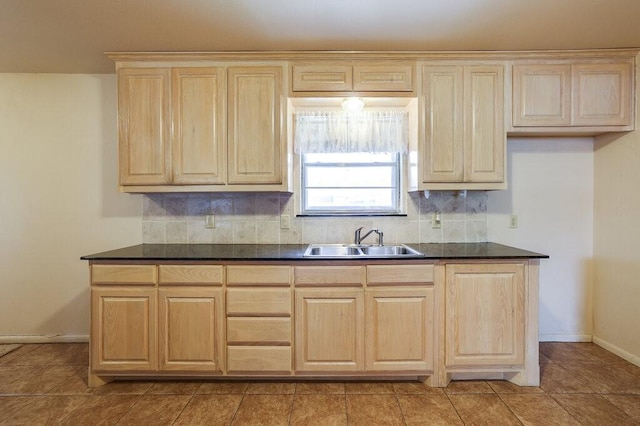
[151,57]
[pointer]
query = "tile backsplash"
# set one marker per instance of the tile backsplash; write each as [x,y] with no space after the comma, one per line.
[255,218]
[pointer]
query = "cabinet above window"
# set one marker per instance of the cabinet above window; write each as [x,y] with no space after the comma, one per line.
[347,77]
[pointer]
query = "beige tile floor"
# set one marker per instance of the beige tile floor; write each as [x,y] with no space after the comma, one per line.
[581,384]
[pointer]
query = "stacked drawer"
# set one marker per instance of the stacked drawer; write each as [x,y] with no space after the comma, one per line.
[259,308]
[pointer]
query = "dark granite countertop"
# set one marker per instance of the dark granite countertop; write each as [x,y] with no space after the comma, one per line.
[287,252]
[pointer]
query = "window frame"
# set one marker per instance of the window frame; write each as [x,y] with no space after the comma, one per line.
[398,179]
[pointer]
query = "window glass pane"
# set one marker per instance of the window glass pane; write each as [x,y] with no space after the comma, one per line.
[318,176]
[351,183]
[354,157]
[350,199]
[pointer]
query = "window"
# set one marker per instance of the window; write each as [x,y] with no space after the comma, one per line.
[351,183]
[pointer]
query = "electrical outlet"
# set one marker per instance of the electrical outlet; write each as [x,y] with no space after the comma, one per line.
[436,221]
[285,221]
[513,221]
[209,221]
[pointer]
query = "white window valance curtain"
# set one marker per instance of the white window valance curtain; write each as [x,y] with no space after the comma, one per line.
[341,131]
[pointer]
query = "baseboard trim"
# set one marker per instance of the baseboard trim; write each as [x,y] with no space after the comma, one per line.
[633,359]
[565,338]
[54,338]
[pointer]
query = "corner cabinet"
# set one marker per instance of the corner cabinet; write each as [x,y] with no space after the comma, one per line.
[490,321]
[582,97]
[484,314]
[208,128]
[462,135]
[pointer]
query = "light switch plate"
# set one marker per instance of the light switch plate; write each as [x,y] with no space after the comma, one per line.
[209,221]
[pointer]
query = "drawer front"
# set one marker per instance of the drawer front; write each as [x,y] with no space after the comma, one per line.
[191,274]
[124,274]
[258,301]
[259,330]
[259,358]
[399,274]
[322,78]
[353,276]
[256,275]
[383,78]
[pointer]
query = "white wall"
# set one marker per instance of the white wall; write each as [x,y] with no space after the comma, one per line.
[551,191]
[58,199]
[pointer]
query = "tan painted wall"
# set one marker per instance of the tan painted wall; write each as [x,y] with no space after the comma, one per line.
[58,199]
[617,242]
[551,192]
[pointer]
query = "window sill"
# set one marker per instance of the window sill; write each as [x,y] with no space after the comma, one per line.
[353,215]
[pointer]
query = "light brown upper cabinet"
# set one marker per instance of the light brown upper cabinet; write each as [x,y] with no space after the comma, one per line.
[462,136]
[219,128]
[379,76]
[199,131]
[255,114]
[144,126]
[574,97]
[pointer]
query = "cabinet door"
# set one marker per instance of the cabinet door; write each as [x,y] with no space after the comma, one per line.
[191,329]
[484,314]
[376,77]
[199,131]
[602,94]
[123,329]
[541,95]
[329,326]
[144,126]
[255,121]
[399,329]
[485,135]
[442,124]
[322,78]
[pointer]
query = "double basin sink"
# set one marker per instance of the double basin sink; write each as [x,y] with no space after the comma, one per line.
[350,251]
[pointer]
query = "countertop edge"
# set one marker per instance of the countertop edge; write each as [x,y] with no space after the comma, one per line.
[294,253]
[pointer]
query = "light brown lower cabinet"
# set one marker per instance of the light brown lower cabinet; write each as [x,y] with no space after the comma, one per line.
[485,314]
[191,329]
[329,326]
[123,329]
[259,310]
[436,320]
[399,329]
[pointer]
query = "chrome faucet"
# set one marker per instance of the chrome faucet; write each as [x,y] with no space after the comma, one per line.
[358,239]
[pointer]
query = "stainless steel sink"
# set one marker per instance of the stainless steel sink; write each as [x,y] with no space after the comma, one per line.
[347,251]
[392,251]
[332,250]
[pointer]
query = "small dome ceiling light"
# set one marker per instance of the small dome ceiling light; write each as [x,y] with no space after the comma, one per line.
[353,104]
